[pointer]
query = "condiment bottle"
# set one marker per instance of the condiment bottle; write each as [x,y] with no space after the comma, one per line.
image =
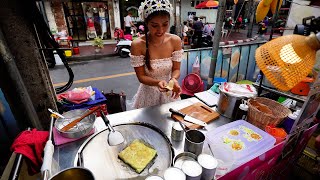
[242,111]
[289,121]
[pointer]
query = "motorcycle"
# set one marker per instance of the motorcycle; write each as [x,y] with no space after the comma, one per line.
[124,43]
[123,48]
[206,41]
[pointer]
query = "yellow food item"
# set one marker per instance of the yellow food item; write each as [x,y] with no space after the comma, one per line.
[137,155]
[236,146]
[262,11]
[267,2]
[273,6]
[255,136]
[234,132]
[170,85]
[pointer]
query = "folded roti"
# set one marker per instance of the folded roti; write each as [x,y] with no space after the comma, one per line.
[137,155]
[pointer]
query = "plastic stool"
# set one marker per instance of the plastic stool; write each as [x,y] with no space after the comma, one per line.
[185,40]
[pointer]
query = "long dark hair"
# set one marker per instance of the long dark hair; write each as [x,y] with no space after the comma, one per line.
[156,13]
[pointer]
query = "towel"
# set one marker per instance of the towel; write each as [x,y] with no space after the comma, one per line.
[31,145]
[58,139]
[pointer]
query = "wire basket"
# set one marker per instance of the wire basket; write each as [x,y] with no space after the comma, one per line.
[287,60]
[262,119]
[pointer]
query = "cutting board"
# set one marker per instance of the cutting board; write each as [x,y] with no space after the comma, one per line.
[198,111]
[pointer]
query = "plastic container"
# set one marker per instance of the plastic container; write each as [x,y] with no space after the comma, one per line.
[278,133]
[68,53]
[225,158]
[219,80]
[240,139]
[76,50]
[242,112]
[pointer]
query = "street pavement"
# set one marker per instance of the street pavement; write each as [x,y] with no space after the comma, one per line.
[109,73]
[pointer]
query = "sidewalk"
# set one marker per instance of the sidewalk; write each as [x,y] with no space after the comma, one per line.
[87,51]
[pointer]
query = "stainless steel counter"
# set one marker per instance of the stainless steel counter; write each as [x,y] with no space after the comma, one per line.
[159,116]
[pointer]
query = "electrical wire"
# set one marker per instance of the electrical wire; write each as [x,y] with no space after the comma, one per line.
[47,39]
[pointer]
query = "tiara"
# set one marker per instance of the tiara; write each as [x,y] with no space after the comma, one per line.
[149,6]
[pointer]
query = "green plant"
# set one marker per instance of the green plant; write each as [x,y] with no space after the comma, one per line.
[98,42]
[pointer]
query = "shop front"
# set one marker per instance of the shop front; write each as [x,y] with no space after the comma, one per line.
[87,20]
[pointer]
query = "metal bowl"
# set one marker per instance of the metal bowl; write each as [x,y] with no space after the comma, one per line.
[76,173]
[81,129]
[182,157]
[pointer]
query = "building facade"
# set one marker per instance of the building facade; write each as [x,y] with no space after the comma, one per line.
[83,20]
[86,19]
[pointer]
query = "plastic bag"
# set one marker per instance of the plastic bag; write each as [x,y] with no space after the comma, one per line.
[196,66]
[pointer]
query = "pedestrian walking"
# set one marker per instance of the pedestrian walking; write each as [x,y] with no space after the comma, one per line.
[156,56]
[128,23]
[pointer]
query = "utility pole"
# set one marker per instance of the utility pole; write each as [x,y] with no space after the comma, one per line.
[178,17]
[252,12]
[217,37]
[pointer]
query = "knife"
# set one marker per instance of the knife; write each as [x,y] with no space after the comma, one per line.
[188,118]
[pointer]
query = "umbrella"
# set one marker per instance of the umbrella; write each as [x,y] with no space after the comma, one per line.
[208,4]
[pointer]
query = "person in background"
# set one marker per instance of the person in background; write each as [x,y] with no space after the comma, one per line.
[266,21]
[185,29]
[140,30]
[238,23]
[190,18]
[197,27]
[262,29]
[156,56]
[207,30]
[128,23]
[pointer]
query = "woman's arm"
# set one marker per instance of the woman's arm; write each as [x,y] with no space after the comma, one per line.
[175,75]
[176,41]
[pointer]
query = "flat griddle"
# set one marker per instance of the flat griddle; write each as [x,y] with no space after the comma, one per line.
[102,159]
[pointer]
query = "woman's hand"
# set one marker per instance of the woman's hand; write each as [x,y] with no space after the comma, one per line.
[162,86]
[176,91]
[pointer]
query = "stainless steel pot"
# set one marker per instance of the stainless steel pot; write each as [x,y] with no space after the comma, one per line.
[74,173]
[228,104]
[81,129]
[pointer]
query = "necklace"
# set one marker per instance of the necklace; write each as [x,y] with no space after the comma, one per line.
[154,44]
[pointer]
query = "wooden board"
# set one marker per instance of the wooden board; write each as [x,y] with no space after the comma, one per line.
[199,111]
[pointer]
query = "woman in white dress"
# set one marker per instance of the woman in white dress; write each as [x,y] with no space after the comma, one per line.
[156,56]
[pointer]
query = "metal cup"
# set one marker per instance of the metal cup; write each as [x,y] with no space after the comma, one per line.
[195,143]
[177,132]
[192,169]
[209,165]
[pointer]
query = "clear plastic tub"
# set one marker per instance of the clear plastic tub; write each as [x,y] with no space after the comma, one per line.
[241,140]
[225,159]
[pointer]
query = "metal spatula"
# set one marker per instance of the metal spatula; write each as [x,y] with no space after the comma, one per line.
[114,137]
